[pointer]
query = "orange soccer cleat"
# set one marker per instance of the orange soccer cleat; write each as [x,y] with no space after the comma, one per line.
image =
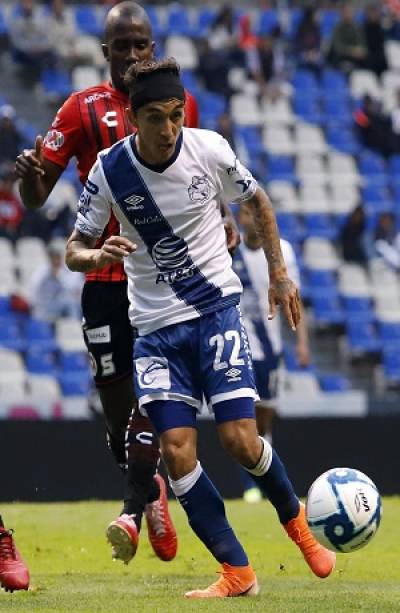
[320,560]
[162,534]
[234,581]
[14,574]
[123,535]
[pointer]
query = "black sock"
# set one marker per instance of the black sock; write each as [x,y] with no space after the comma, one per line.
[139,488]
[1,522]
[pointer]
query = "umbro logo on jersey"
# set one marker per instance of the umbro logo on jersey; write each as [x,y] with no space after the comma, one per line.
[134,202]
[233,374]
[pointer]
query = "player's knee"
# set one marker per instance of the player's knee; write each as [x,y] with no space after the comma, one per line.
[179,456]
[242,445]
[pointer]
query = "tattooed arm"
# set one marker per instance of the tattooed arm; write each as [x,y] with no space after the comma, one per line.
[282,290]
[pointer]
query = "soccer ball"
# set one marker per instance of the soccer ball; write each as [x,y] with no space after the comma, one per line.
[343,509]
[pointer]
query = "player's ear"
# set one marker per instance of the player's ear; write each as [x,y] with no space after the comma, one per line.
[132,117]
[104,49]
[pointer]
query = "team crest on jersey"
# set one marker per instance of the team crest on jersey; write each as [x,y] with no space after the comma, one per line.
[199,189]
[54,140]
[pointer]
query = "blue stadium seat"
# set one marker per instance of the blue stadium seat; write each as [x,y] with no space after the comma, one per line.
[205,19]
[389,333]
[10,334]
[327,309]
[268,20]
[333,382]
[290,227]
[337,110]
[362,337]
[5,306]
[372,167]
[358,309]
[321,279]
[308,109]
[343,140]
[190,82]
[321,225]
[281,168]
[3,24]
[56,83]
[328,21]
[333,83]
[87,20]
[178,21]
[251,137]
[211,107]
[74,361]
[305,83]
[295,16]
[40,362]
[391,365]
[40,335]
[159,29]
[75,383]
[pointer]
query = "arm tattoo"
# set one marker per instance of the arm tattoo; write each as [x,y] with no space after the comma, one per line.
[267,229]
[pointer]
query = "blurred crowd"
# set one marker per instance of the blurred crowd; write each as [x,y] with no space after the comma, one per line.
[43,35]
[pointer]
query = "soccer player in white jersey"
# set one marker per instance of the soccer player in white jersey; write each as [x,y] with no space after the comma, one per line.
[264,334]
[164,185]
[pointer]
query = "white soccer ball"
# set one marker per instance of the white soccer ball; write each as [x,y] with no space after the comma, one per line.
[343,509]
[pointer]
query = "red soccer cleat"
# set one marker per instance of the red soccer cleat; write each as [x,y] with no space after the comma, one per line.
[124,538]
[162,534]
[14,574]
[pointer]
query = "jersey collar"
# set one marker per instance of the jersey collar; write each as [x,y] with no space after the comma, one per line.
[157,167]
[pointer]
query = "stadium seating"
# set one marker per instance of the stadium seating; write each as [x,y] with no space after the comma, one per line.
[301,145]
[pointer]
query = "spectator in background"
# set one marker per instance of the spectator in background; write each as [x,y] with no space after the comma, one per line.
[62,34]
[11,211]
[307,42]
[213,70]
[222,36]
[11,140]
[30,42]
[387,240]
[353,238]
[375,127]
[225,128]
[54,291]
[268,65]
[348,47]
[375,40]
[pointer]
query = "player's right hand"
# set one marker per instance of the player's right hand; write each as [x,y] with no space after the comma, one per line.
[114,249]
[29,163]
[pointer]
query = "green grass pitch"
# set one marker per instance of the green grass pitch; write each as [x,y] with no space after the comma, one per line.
[72,571]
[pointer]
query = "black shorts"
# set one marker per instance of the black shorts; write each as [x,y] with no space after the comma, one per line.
[107,331]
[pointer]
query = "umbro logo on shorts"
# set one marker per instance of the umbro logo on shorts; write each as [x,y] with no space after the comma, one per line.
[233,374]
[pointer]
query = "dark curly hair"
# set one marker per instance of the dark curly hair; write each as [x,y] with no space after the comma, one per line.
[139,71]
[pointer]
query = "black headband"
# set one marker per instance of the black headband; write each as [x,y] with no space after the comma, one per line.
[154,87]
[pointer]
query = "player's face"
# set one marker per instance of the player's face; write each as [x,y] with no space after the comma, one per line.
[159,125]
[129,42]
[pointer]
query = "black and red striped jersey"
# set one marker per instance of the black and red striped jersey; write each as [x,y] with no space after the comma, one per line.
[89,121]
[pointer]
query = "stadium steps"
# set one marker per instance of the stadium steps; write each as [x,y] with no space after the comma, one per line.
[21,99]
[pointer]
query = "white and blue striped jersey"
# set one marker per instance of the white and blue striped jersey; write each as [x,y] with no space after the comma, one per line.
[264,335]
[181,269]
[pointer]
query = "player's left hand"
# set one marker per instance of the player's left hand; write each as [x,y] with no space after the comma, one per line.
[232,234]
[283,292]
